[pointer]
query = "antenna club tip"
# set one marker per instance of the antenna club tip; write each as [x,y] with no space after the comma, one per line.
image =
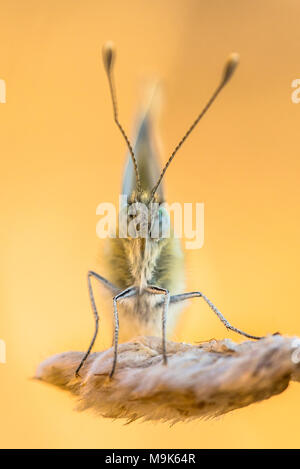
[109,54]
[230,66]
[234,57]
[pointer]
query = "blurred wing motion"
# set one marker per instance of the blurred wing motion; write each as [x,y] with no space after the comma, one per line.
[145,148]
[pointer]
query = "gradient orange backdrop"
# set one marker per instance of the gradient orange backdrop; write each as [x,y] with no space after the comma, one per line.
[61,155]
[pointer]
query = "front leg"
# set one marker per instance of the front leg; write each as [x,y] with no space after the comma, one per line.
[127,293]
[162,291]
[113,289]
[186,296]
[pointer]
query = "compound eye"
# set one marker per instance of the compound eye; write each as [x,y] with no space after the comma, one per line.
[164,222]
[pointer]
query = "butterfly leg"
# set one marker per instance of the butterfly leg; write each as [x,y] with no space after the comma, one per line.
[162,291]
[186,296]
[127,293]
[113,289]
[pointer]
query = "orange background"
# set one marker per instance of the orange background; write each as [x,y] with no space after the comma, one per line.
[61,155]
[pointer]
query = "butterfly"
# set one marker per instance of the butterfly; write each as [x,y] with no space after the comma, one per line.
[147,272]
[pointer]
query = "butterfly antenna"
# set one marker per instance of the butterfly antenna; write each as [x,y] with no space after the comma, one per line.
[229,69]
[108,59]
